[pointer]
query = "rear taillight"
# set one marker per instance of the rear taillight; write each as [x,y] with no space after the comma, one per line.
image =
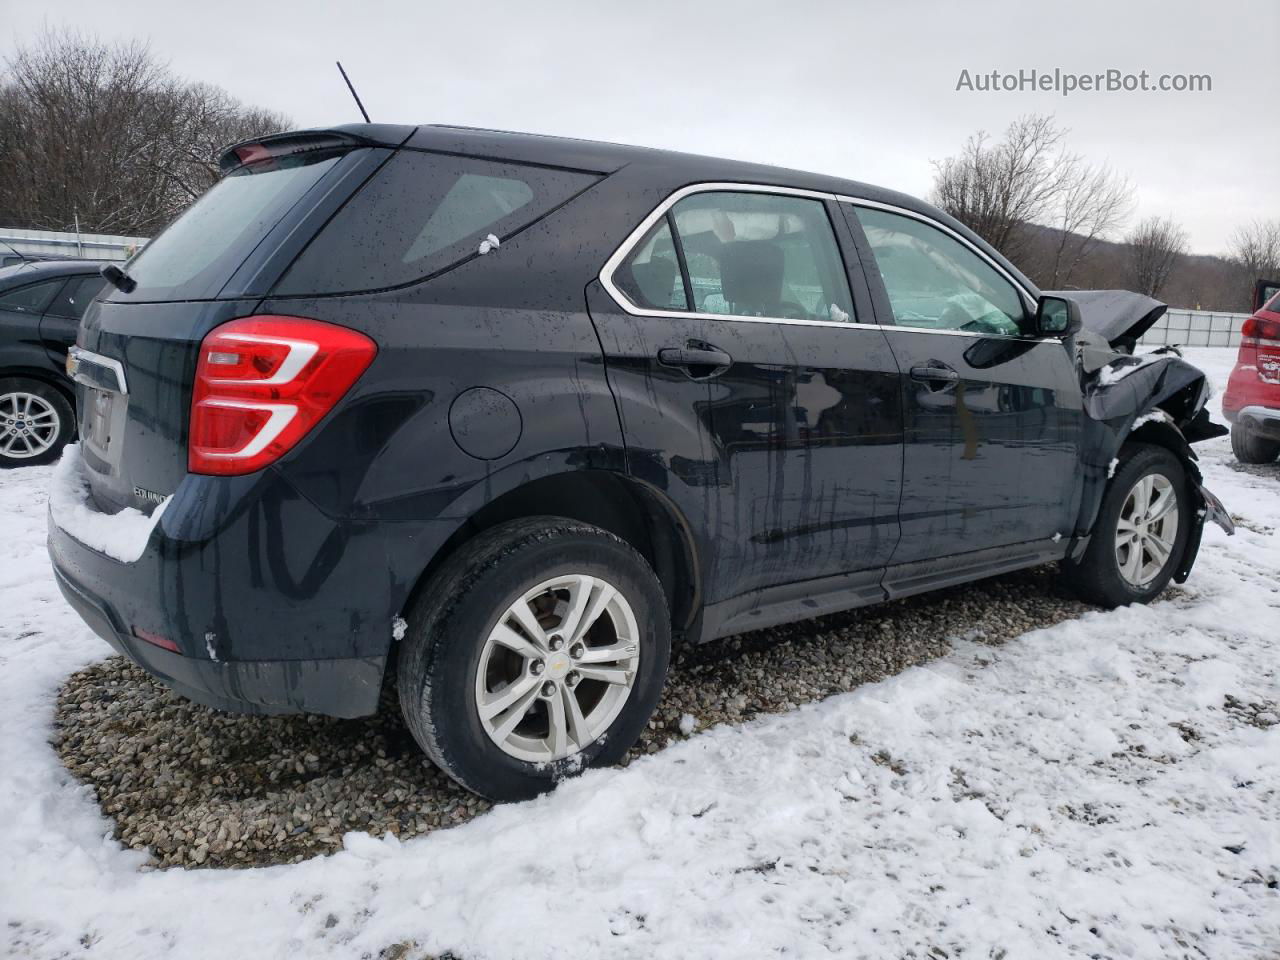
[263,382]
[1257,328]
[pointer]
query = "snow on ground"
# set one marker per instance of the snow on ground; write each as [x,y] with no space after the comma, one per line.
[1100,788]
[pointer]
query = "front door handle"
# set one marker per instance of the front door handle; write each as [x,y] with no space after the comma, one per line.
[699,361]
[934,371]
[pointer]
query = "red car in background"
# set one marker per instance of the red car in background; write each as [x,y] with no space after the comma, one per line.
[1252,400]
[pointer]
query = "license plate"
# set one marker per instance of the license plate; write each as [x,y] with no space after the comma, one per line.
[97,420]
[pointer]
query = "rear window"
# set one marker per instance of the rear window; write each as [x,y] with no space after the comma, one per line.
[421,214]
[199,251]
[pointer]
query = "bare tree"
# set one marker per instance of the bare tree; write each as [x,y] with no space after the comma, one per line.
[105,135]
[1255,250]
[995,188]
[1155,246]
[1092,204]
[1000,189]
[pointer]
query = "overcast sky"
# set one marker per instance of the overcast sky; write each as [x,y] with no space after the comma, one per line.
[865,90]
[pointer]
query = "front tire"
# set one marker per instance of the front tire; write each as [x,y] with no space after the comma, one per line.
[1250,447]
[1141,531]
[36,422]
[538,649]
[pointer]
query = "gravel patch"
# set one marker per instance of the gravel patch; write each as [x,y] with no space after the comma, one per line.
[199,788]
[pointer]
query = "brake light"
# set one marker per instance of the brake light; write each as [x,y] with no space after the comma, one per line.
[262,383]
[1256,328]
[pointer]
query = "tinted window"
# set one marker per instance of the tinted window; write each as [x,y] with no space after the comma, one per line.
[650,277]
[935,281]
[75,297]
[761,255]
[32,298]
[200,250]
[422,213]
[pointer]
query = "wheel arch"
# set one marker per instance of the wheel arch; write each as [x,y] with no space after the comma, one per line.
[47,377]
[635,511]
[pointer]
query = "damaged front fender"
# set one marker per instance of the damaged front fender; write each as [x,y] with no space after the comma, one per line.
[1151,398]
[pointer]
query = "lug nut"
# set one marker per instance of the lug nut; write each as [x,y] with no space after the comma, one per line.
[557,643]
[536,667]
[548,689]
[573,678]
[577,651]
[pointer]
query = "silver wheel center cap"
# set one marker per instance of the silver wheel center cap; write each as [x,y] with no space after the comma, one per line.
[558,664]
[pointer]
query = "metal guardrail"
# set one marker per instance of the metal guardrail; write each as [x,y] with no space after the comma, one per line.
[1196,328]
[81,246]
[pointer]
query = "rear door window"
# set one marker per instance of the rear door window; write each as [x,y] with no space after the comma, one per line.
[650,276]
[762,255]
[32,298]
[422,213]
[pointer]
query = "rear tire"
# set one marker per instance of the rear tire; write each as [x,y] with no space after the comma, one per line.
[485,631]
[1120,565]
[36,421]
[1250,447]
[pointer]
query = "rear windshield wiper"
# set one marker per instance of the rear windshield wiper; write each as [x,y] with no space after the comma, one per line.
[118,278]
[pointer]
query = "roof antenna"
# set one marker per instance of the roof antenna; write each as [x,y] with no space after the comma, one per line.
[21,255]
[363,112]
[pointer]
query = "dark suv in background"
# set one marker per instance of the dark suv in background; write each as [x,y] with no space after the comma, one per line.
[509,412]
[41,303]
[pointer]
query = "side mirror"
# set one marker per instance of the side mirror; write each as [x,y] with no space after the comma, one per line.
[1057,317]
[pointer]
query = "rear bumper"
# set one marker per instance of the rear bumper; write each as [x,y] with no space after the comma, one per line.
[274,606]
[1259,419]
[339,688]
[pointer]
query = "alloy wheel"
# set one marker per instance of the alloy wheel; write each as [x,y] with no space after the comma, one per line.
[1147,529]
[29,425]
[557,668]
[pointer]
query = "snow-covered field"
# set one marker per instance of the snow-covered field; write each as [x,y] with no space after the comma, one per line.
[1107,787]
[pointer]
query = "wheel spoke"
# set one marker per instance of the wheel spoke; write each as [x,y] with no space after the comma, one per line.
[1158,549]
[608,654]
[1132,563]
[601,599]
[508,696]
[607,674]
[515,714]
[1160,509]
[580,589]
[524,616]
[558,726]
[513,641]
[579,732]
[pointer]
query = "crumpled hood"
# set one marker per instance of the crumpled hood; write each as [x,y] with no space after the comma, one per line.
[1115,314]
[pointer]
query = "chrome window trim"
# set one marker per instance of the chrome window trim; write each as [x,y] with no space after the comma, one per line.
[624,250]
[635,236]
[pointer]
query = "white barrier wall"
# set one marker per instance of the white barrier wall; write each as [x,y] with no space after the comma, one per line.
[1197,328]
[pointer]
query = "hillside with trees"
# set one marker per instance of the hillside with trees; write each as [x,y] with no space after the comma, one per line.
[1063,219]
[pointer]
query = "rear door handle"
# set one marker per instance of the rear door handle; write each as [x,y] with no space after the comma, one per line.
[700,361]
[934,370]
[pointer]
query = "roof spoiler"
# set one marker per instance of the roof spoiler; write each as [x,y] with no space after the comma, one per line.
[294,142]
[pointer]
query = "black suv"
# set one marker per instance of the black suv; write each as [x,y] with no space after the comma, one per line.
[41,303]
[508,413]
